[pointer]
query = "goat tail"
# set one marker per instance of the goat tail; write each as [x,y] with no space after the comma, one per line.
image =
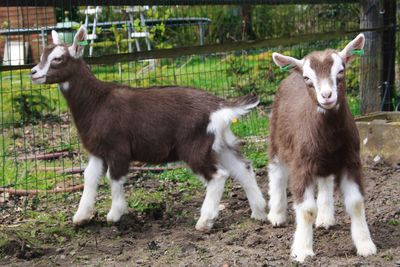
[221,119]
[246,102]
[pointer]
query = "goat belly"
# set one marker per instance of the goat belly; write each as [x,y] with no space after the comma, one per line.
[327,164]
[154,158]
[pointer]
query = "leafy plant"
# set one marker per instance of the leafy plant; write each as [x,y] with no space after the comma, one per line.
[32,105]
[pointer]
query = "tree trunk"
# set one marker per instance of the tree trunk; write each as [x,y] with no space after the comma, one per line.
[371,64]
[247,29]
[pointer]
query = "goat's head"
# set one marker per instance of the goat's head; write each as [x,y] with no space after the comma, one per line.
[323,71]
[55,62]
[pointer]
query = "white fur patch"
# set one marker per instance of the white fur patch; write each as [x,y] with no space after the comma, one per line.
[92,174]
[64,86]
[327,92]
[40,76]
[337,66]
[321,110]
[55,37]
[303,236]
[354,203]
[118,204]
[210,207]
[220,121]
[243,172]
[278,176]
[309,72]
[325,202]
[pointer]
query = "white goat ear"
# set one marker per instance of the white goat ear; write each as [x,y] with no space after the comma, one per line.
[283,61]
[76,49]
[55,37]
[357,43]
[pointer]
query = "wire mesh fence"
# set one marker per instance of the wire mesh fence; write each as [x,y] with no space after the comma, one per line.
[224,48]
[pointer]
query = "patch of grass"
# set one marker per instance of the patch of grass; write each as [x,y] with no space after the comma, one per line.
[394,222]
[142,200]
[251,125]
[51,227]
[178,175]
[41,229]
[185,183]
[257,153]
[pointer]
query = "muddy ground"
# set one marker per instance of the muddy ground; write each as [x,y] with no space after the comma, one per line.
[166,235]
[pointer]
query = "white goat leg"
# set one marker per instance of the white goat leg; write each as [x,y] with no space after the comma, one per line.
[210,207]
[118,204]
[325,202]
[92,174]
[303,236]
[277,192]
[354,203]
[243,172]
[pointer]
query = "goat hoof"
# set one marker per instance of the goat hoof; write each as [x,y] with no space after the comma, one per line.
[259,215]
[300,255]
[366,248]
[204,225]
[324,221]
[81,218]
[115,215]
[277,219]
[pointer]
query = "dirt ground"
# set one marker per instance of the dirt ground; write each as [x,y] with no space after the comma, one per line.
[161,238]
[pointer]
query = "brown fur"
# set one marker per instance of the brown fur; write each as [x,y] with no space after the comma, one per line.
[156,125]
[310,143]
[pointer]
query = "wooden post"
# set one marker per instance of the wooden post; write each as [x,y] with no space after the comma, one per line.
[247,30]
[389,54]
[371,64]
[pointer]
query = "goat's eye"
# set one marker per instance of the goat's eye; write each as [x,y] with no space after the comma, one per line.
[57,59]
[307,81]
[340,74]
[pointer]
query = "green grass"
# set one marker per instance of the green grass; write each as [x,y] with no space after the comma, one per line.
[142,200]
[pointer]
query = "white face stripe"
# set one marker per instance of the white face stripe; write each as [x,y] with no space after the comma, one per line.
[309,72]
[325,89]
[336,66]
[41,73]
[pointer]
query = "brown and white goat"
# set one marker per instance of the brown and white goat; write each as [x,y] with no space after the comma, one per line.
[314,140]
[118,124]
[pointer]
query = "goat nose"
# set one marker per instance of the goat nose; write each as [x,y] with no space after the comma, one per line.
[326,94]
[33,71]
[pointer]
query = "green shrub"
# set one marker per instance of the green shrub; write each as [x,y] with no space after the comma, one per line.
[31,105]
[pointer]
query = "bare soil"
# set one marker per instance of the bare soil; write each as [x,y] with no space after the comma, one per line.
[168,238]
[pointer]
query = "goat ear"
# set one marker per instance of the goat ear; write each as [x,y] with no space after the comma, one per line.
[76,49]
[356,44]
[283,61]
[55,37]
